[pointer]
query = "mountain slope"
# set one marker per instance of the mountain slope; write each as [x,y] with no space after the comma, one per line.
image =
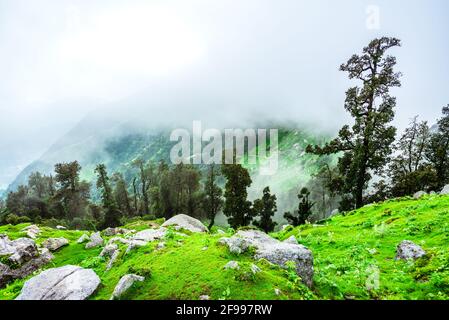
[347,250]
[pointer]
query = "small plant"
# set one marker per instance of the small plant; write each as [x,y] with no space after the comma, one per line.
[225,294]
[380,230]
[92,262]
[143,271]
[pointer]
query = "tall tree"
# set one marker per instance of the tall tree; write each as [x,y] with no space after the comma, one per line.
[213,200]
[120,193]
[72,194]
[408,170]
[112,214]
[304,209]
[437,152]
[367,144]
[237,208]
[265,208]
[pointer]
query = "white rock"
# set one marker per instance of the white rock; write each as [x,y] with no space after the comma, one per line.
[291,240]
[83,238]
[54,244]
[277,291]
[186,222]
[114,257]
[160,246]
[95,240]
[334,213]
[124,284]
[204,297]
[114,231]
[408,250]
[61,228]
[255,269]
[148,235]
[64,283]
[108,250]
[232,265]
[419,194]
[273,250]
[445,190]
[32,231]
[18,251]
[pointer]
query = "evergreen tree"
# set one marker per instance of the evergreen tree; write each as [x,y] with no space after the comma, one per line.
[367,144]
[408,170]
[112,213]
[237,208]
[72,195]
[265,208]
[437,152]
[304,209]
[213,200]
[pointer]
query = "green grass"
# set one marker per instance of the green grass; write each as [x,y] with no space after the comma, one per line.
[346,249]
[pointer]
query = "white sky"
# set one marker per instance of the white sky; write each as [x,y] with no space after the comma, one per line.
[61,59]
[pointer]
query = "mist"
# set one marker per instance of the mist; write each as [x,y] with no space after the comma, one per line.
[225,63]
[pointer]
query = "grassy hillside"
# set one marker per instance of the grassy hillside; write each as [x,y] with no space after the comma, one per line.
[346,250]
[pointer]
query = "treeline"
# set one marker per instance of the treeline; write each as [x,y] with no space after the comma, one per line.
[157,191]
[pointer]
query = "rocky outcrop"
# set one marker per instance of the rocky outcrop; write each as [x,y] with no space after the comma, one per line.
[419,194]
[8,274]
[273,250]
[95,240]
[32,231]
[408,250]
[64,283]
[124,284]
[18,251]
[185,222]
[445,190]
[54,244]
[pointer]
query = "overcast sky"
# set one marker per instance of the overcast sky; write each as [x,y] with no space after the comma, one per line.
[61,59]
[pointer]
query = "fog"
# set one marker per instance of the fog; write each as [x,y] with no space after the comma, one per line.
[225,62]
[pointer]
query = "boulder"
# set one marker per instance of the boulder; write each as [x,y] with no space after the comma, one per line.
[109,250]
[54,244]
[61,228]
[274,251]
[334,213]
[108,232]
[95,240]
[63,283]
[8,274]
[18,251]
[114,257]
[148,235]
[408,250]
[185,222]
[232,265]
[291,240]
[204,297]
[83,238]
[124,284]
[32,231]
[445,190]
[419,194]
